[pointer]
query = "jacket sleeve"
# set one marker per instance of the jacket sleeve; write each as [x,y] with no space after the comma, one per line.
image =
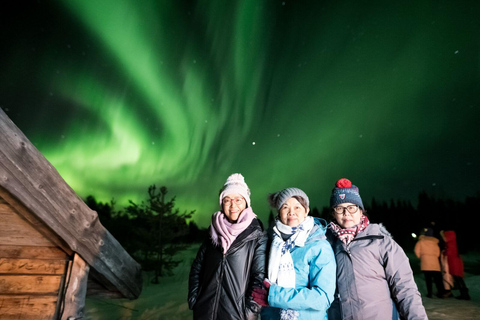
[257,273]
[417,249]
[401,282]
[194,277]
[319,296]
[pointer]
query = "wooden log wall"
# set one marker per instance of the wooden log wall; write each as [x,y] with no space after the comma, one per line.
[32,269]
[31,184]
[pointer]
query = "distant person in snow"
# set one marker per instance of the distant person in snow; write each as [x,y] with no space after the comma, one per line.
[374,278]
[455,263]
[301,265]
[428,250]
[231,262]
[446,276]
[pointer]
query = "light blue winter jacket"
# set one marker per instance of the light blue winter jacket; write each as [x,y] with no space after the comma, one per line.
[315,274]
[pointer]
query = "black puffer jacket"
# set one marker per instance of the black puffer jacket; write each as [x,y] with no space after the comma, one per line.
[220,286]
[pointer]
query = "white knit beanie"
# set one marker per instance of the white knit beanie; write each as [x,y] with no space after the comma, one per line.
[235,184]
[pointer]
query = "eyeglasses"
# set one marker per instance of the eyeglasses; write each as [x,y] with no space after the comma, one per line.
[341,210]
[228,201]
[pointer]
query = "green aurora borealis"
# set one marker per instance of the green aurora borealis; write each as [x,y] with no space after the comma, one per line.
[119,95]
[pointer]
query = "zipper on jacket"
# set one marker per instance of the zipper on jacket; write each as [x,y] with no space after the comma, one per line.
[347,250]
[219,287]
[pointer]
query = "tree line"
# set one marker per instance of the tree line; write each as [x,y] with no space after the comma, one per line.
[154,231]
[402,219]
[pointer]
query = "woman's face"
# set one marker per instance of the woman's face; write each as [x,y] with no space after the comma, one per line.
[292,213]
[233,204]
[347,219]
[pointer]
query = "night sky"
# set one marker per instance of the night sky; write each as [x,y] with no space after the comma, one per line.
[119,95]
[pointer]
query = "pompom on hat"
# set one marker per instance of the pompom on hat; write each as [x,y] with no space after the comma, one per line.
[235,184]
[277,199]
[345,192]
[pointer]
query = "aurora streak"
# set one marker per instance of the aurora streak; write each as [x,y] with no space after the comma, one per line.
[289,93]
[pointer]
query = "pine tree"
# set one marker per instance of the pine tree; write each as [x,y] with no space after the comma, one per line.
[161,231]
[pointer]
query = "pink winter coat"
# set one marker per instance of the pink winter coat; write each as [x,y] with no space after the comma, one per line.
[428,251]
[455,263]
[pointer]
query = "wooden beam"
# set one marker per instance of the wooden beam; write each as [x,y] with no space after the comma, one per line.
[32,252]
[16,230]
[31,266]
[27,307]
[31,181]
[76,290]
[95,288]
[30,284]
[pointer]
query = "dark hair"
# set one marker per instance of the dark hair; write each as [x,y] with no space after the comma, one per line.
[302,201]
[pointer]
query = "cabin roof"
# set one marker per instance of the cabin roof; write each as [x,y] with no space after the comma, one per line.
[29,179]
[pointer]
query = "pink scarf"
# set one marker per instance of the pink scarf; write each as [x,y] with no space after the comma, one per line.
[347,235]
[224,232]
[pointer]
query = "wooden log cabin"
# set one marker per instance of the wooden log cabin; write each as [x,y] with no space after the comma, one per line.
[53,249]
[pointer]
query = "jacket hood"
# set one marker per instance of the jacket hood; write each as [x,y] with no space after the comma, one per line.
[375,229]
[428,238]
[318,231]
[450,236]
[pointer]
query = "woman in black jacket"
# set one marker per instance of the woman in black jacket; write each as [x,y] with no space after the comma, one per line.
[231,262]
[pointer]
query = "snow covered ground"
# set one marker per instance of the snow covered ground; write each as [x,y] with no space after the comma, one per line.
[168,300]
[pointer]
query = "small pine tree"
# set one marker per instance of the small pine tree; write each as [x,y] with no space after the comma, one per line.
[161,231]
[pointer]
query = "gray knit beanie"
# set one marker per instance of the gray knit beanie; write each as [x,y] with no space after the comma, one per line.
[277,199]
[345,192]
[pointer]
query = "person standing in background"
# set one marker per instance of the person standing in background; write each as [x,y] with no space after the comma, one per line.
[446,276]
[455,263]
[428,250]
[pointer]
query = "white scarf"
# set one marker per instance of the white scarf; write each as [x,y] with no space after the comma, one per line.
[280,266]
